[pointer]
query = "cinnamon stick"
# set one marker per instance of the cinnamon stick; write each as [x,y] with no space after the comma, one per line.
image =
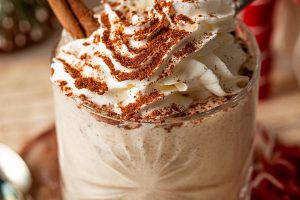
[75,17]
[66,18]
[84,16]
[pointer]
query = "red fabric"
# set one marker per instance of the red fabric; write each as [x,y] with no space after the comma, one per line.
[284,167]
[259,17]
[263,36]
[266,66]
[264,90]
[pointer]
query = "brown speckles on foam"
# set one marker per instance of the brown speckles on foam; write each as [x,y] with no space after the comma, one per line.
[85,82]
[92,85]
[51,71]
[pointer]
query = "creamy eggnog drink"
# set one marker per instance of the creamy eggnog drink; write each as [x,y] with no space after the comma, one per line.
[158,103]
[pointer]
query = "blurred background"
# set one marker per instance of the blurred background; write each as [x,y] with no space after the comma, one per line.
[29,33]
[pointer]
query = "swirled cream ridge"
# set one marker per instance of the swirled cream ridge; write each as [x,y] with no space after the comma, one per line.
[149,59]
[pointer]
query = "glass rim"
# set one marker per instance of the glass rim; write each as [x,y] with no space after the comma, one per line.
[250,38]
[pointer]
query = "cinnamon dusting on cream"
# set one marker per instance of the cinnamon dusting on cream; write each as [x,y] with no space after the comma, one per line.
[134,60]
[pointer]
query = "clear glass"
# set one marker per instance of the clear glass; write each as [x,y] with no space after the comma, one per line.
[207,156]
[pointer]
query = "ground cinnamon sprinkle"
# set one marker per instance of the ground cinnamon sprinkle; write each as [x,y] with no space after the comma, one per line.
[188,1]
[177,56]
[92,85]
[155,25]
[72,71]
[141,101]
[106,110]
[84,82]
[52,71]
[158,45]
[155,50]
[83,56]
[164,112]
[97,39]
[152,47]
[189,48]
[62,83]
[161,39]
[105,20]
[184,18]
[114,4]
[184,52]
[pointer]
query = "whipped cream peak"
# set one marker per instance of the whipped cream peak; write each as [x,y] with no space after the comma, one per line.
[152,55]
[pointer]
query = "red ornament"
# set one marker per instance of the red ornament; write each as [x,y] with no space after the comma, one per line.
[259,17]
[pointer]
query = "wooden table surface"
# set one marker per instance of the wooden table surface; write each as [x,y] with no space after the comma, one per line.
[25,94]
[27,107]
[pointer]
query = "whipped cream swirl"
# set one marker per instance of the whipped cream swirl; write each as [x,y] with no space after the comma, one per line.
[153,58]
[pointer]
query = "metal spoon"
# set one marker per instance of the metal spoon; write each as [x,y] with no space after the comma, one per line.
[241,4]
[8,192]
[14,170]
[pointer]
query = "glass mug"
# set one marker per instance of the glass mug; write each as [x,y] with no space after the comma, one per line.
[204,156]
